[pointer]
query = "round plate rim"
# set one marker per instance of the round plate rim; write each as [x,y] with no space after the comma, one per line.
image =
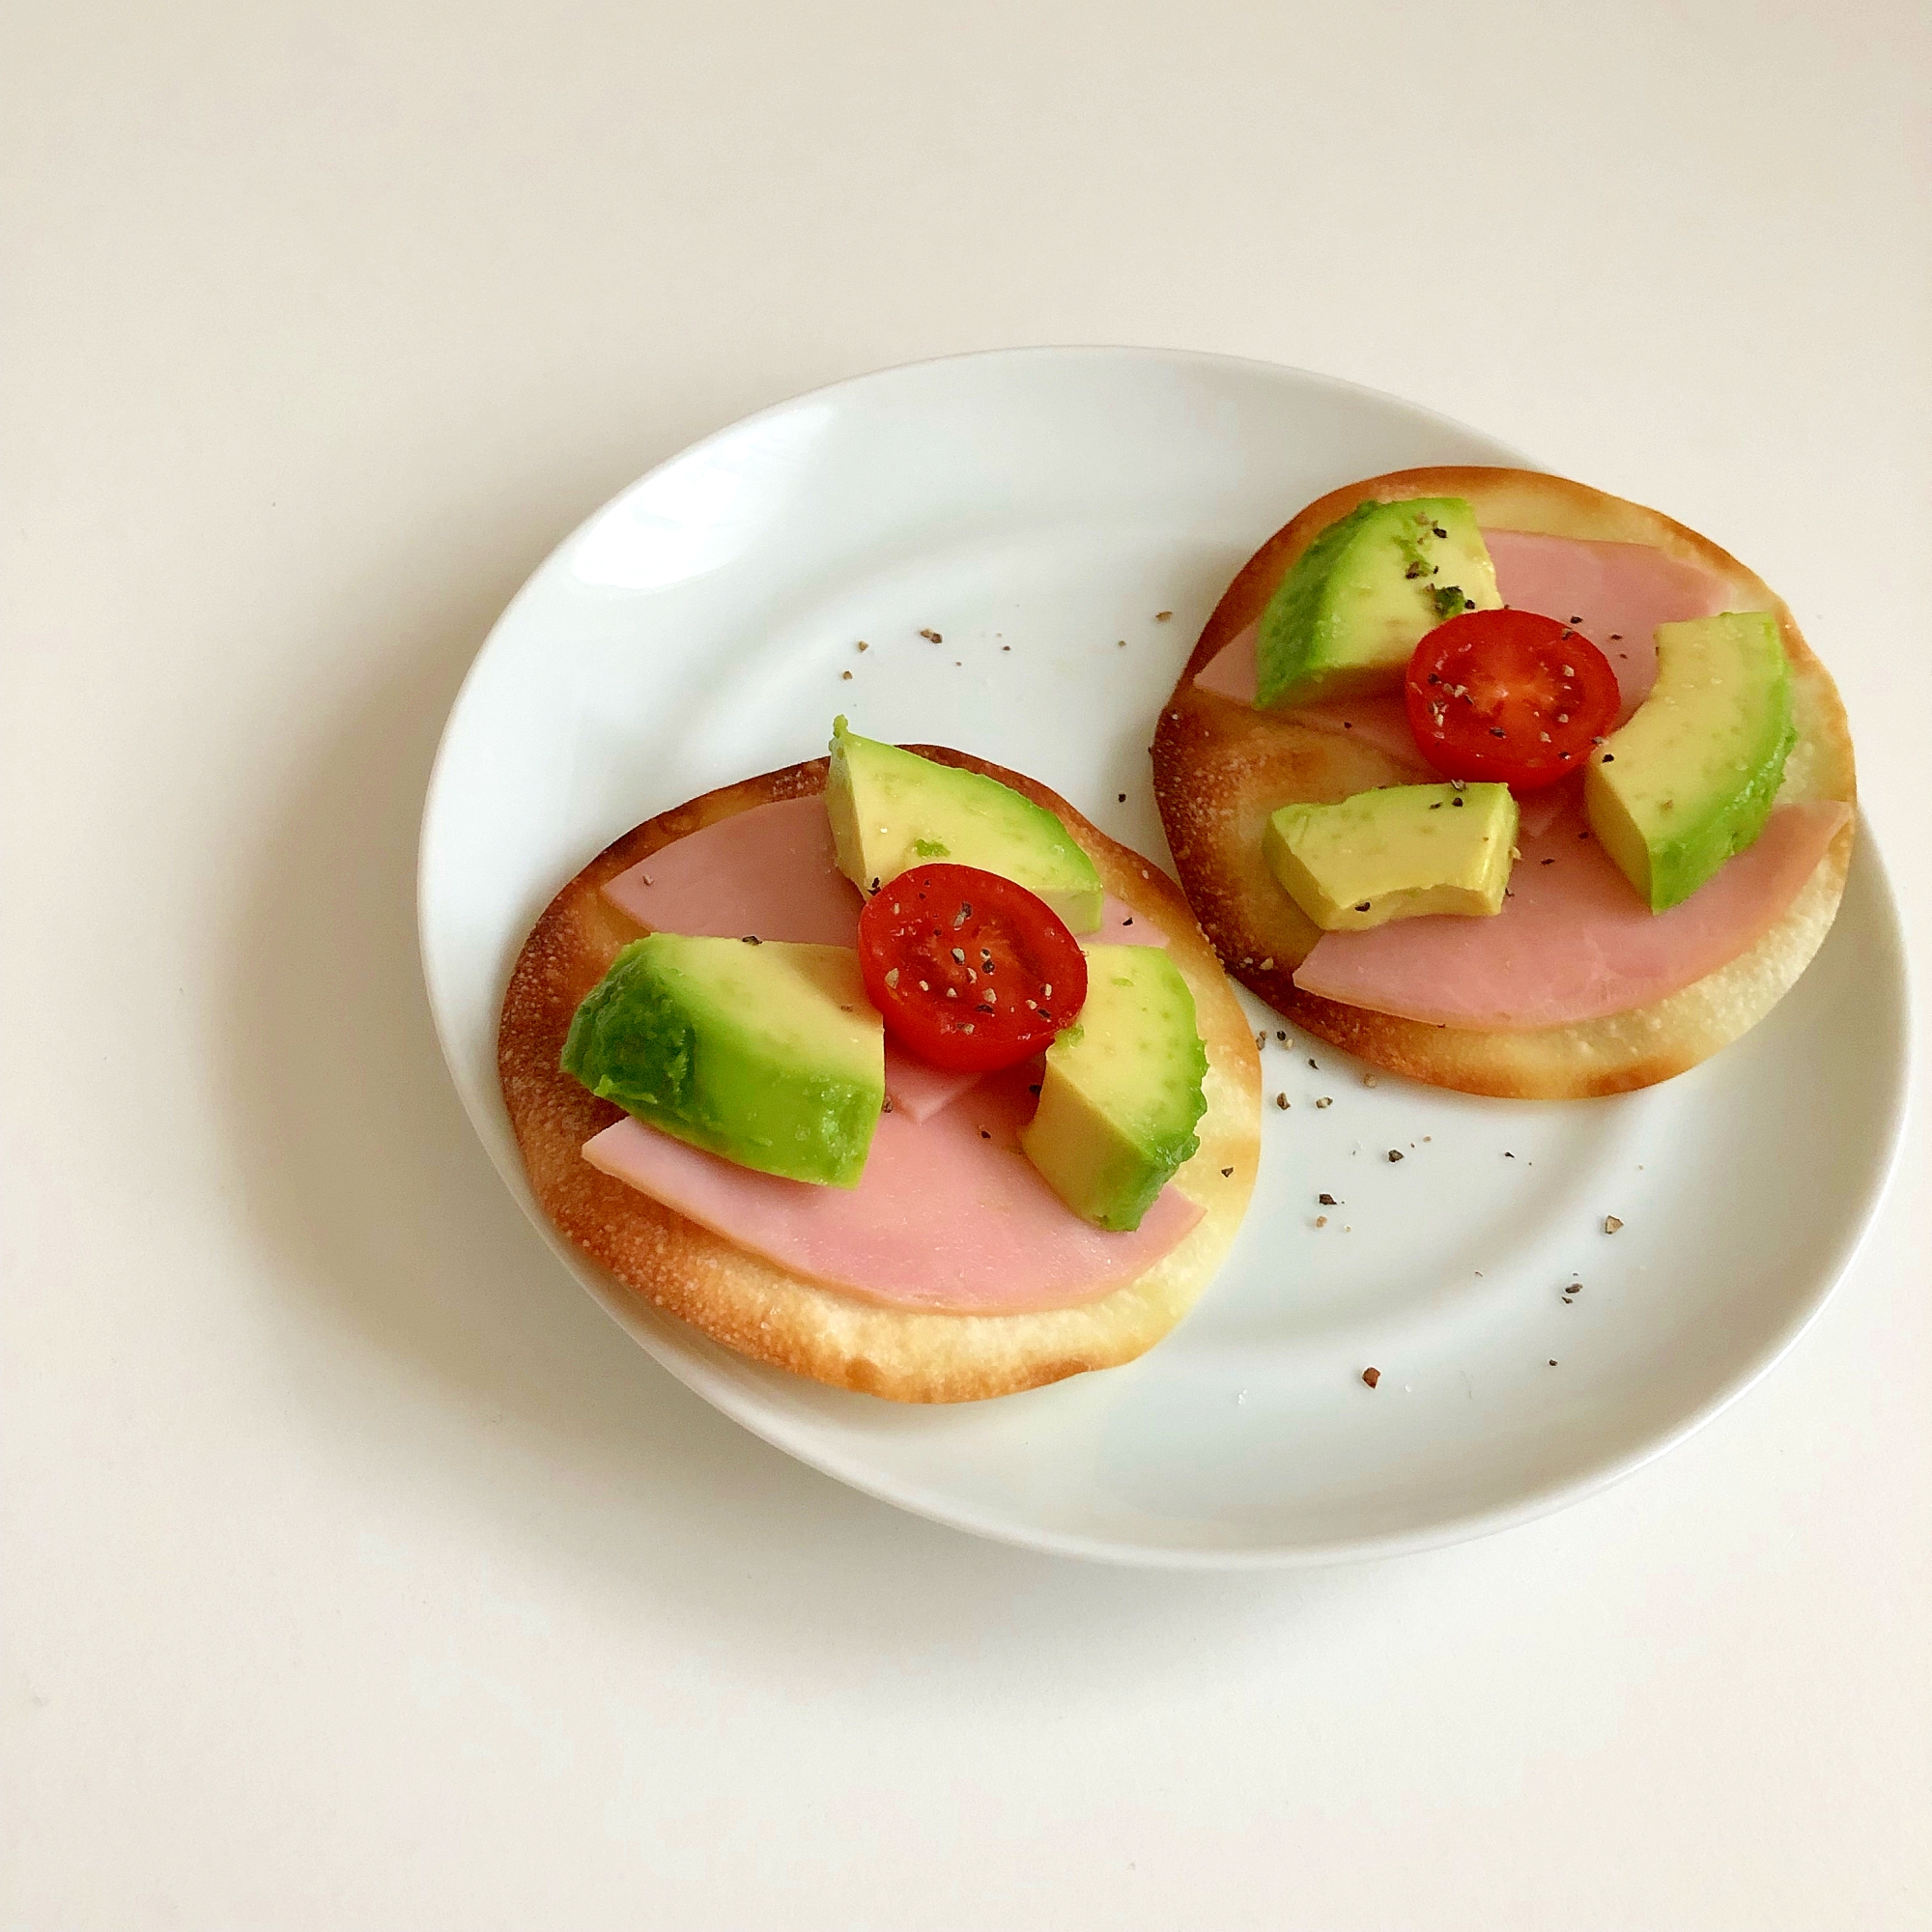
[769,1426]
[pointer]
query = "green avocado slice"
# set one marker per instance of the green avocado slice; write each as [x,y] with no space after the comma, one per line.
[1402,852]
[1346,618]
[892,810]
[1692,778]
[1122,1089]
[768,1054]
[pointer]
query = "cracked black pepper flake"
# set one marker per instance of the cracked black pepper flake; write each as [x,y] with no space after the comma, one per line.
[1123,798]
[1161,617]
[1611,1224]
[1226,1172]
[1371,1376]
[1324,1101]
[846,674]
[1281,1102]
[1327,1201]
[752,939]
[933,637]
[1395,1154]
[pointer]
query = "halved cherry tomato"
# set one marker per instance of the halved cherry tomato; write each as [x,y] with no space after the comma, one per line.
[1509,695]
[971,972]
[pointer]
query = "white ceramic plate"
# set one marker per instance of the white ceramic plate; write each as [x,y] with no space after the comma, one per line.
[1037,508]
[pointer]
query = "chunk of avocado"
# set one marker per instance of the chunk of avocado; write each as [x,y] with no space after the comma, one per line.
[768,1054]
[1402,852]
[892,810]
[1346,618]
[1691,778]
[1123,1089]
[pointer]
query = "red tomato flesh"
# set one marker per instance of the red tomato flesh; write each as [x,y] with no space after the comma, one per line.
[1511,697]
[971,972]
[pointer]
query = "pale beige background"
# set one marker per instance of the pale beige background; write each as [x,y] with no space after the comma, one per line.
[358,1574]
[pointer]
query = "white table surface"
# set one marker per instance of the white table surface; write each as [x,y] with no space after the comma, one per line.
[357,1571]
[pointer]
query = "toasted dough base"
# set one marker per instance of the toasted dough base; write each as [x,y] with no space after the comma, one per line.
[764,1311]
[1220,768]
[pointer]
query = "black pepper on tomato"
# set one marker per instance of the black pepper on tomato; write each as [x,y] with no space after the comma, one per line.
[970,971]
[1510,697]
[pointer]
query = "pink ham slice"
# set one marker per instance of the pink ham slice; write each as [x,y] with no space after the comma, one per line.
[1615,593]
[1231,671]
[1382,721]
[950,1216]
[1574,942]
[771,872]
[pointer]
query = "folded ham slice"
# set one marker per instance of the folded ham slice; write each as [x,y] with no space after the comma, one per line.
[772,870]
[949,1215]
[769,870]
[1573,941]
[1615,593]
